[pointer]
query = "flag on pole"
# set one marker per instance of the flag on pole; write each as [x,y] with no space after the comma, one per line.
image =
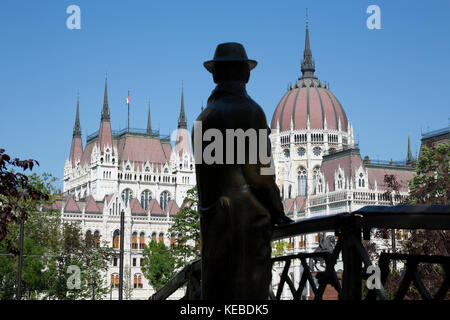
[128,99]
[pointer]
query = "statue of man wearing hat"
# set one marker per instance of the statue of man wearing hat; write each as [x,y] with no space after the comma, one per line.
[238,204]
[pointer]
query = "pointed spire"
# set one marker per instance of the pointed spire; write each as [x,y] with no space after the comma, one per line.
[307,65]
[149,121]
[182,118]
[409,156]
[77,126]
[105,110]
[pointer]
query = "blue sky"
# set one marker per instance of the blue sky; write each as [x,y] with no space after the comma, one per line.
[391,82]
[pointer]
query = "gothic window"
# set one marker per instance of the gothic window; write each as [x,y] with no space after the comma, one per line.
[146,196]
[127,195]
[138,281]
[147,169]
[339,182]
[302,181]
[286,153]
[289,192]
[97,239]
[89,239]
[316,173]
[128,168]
[317,151]
[114,280]
[331,150]
[154,237]
[164,198]
[116,239]
[166,170]
[142,241]
[161,237]
[172,242]
[361,180]
[320,186]
[134,244]
[301,152]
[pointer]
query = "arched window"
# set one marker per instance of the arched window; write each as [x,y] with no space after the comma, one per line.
[142,241]
[138,281]
[127,195]
[287,153]
[339,182]
[172,242]
[316,173]
[164,198]
[161,237]
[134,244]
[361,180]
[289,191]
[154,237]
[147,169]
[89,239]
[116,239]
[302,181]
[146,196]
[97,239]
[114,280]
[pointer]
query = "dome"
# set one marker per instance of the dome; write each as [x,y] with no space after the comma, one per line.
[309,99]
[312,99]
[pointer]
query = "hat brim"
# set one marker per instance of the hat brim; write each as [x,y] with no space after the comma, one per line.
[209,65]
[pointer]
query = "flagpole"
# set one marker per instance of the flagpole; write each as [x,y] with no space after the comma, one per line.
[128,110]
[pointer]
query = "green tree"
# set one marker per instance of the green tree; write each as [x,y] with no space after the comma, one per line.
[19,194]
[158,264]
[186,231]
[431,184]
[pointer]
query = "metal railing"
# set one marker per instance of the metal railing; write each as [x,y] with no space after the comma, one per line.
[350,229]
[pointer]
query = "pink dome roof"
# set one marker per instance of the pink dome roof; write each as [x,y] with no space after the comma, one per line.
[309,98]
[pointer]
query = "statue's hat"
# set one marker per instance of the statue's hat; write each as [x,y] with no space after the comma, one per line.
[229,52]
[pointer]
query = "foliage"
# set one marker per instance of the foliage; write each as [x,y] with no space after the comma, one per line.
[431,184]
[50,248]
[158,265]
[187,225]
[19,194]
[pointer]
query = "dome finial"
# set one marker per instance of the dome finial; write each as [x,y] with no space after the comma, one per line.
[308,64]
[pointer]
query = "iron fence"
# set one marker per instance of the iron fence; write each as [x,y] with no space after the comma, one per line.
[349,229]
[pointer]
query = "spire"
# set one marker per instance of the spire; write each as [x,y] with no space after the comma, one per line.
[307,65]
[105,110]
[77,127]
[409,156]
[182,118]
[149,121]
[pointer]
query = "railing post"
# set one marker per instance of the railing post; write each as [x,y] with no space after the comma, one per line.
[352,276]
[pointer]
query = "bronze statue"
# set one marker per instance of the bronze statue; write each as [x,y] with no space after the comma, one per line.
[238,204]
